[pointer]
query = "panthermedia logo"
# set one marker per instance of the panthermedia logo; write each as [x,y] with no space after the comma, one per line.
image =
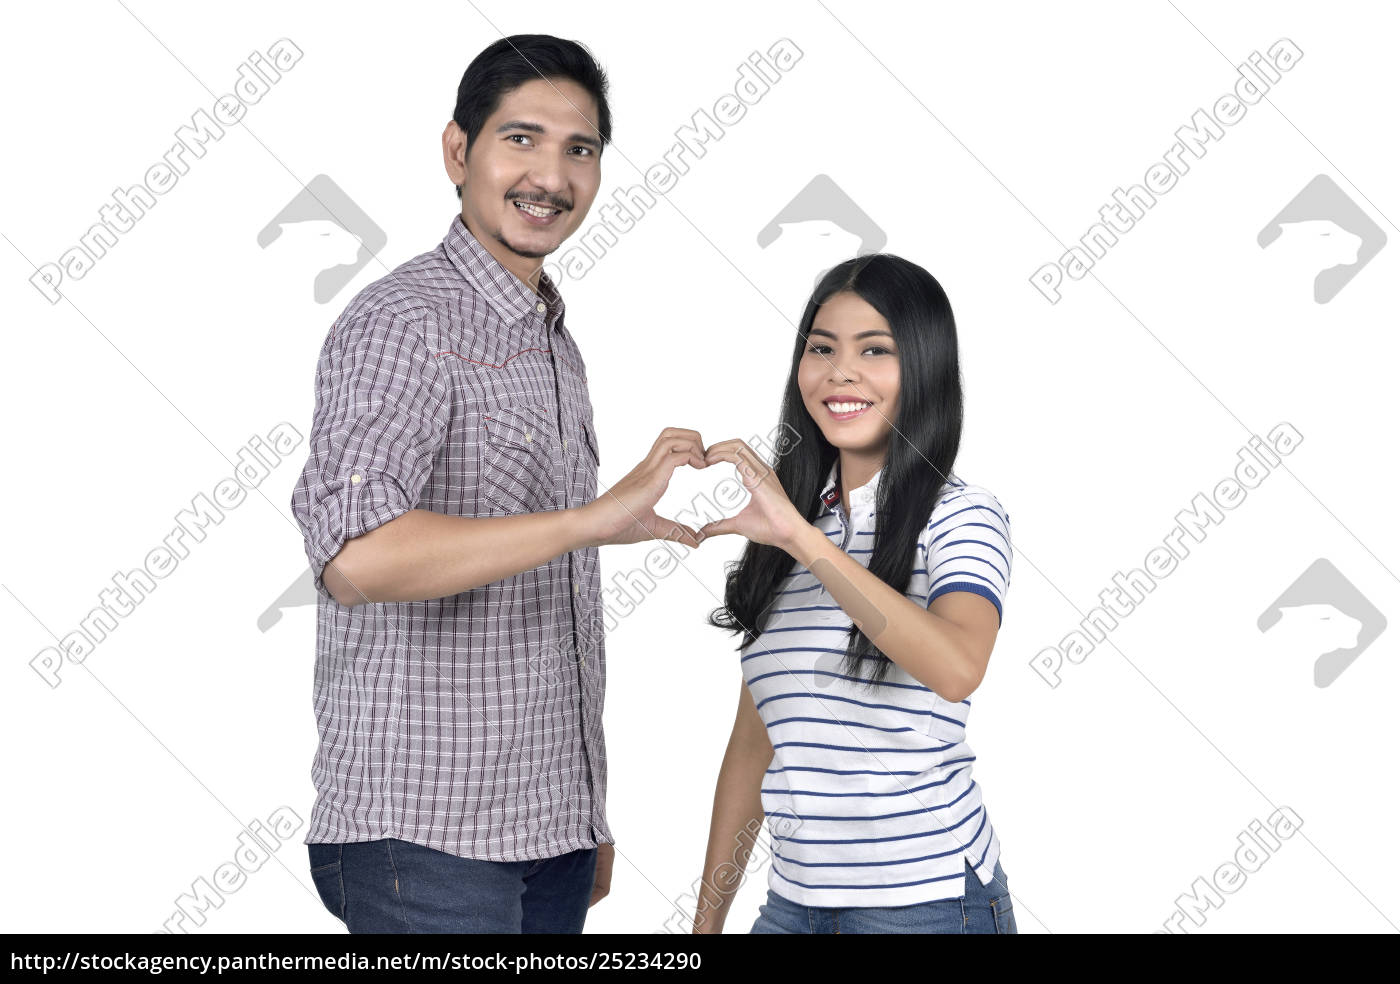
[1325,235]
[1322,617]
[819,228]
[323,227]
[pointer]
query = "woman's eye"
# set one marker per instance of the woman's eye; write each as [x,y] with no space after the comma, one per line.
[822,349]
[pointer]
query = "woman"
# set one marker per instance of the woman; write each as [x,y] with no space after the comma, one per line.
[869,611]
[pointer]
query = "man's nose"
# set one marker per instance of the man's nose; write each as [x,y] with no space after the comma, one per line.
[549,178]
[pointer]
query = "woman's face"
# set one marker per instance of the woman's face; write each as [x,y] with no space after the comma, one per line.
[850,358]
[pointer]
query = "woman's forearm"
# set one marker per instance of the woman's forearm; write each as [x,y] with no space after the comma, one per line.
[735,823]
[933,650]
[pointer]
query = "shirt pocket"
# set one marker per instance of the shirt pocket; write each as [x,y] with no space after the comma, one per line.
[944,723]
[591,441]
[518,460]
[582,457]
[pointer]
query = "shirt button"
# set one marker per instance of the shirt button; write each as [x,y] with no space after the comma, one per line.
[566,444]
[575,587]
[354,479]
[528,437]
[540,307]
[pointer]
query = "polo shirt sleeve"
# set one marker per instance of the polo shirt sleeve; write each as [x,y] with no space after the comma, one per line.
[967,546]
[381,415]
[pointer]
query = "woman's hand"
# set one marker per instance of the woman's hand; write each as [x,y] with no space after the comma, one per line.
[770,517]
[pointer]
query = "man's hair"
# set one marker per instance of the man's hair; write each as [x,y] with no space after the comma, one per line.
[511,62]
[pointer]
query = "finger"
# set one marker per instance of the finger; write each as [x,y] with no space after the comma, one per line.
[684,456]
[719,527]
[688,434]
[670,529]
[680,533]
[671,435]
[753,461]
[664,448]
[697,452]
[750,464]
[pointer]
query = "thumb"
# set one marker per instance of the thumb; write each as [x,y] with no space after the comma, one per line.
[720,526]
[680,533]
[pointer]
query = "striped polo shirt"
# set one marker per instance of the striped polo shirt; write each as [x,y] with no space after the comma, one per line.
[869,798]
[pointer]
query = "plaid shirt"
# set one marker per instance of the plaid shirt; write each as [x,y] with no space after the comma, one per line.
[472,723]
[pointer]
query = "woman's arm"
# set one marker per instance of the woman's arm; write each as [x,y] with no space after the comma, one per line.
[737,816]
[946,646]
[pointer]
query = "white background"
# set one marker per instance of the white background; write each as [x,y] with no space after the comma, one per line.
[1094,421]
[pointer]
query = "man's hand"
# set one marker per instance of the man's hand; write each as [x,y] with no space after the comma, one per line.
[602,878]
[626,513]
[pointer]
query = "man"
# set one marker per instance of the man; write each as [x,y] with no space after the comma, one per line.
[448,505]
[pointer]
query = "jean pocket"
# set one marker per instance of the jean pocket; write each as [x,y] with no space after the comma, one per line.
[517,467]
[1002,915]
[326,875]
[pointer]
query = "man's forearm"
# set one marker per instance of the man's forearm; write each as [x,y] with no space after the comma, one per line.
[422,554]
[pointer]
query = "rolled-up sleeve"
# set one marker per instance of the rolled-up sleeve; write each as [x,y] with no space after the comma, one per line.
[381,415]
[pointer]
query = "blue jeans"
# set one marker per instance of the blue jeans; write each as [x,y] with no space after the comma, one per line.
[394,886]
[982,909]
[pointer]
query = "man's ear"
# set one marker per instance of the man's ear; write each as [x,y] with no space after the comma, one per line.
[454,154]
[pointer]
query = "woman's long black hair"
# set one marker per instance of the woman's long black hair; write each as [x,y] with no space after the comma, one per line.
[922,448]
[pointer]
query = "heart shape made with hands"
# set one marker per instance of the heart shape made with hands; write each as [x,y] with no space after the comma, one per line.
[748,500]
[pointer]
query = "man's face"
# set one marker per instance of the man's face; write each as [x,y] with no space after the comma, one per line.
[540,146]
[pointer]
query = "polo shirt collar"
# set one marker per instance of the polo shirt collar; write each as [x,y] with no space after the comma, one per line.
[503,290]
[862,499]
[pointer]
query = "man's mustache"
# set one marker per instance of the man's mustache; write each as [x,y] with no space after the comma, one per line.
[552,203]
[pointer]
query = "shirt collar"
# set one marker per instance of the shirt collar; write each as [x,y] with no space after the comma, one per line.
[503,290]
[862,499]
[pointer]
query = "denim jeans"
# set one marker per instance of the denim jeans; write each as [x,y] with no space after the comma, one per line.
[394,886]
[983,909]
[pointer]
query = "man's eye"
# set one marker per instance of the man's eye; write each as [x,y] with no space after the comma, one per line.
[522,136]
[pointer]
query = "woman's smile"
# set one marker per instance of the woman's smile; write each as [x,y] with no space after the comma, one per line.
[846,409]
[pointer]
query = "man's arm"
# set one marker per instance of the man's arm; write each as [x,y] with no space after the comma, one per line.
[421,555]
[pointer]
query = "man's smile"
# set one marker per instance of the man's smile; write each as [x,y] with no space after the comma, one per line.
[536,214]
